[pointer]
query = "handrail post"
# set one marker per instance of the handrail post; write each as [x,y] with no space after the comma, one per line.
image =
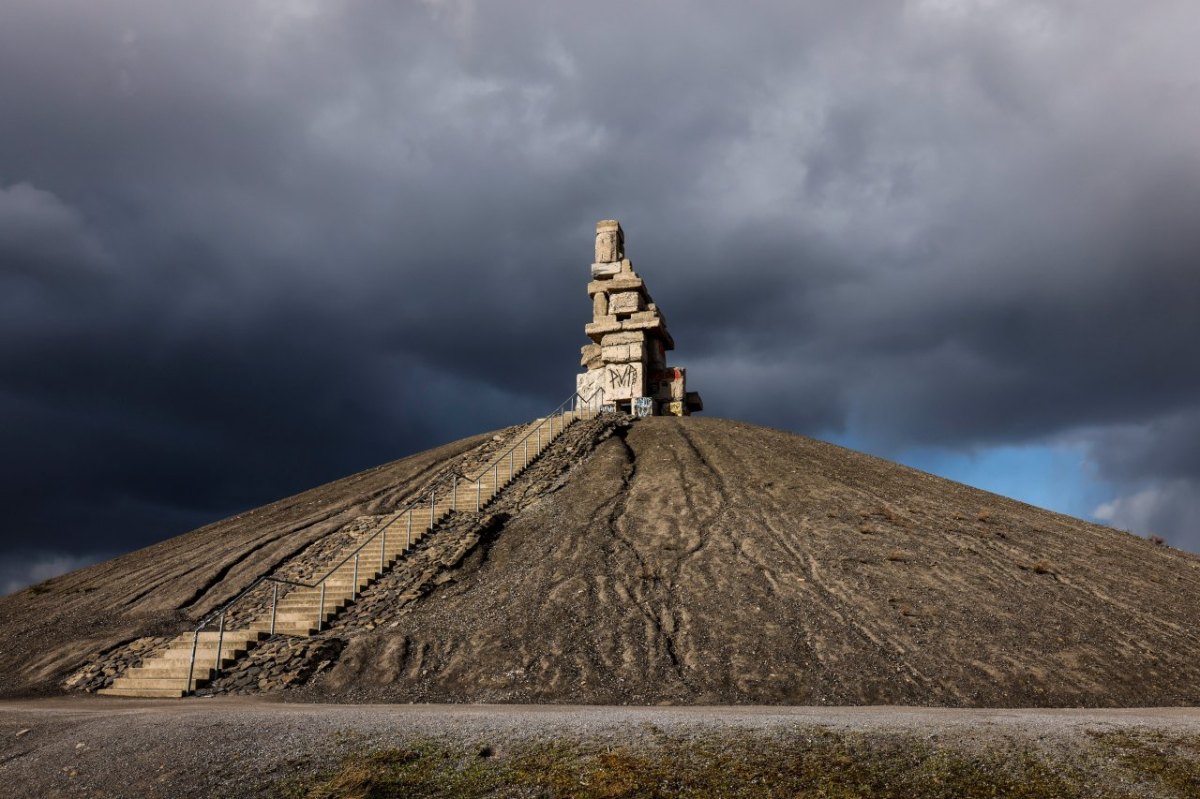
[511,454]
[321,610]
[454,493]
[539,438]
[354,585]
[408,545]
[477,481]
[220,641]
[187,689]
[382,549]
[432,505]
[274,604]
[526,466]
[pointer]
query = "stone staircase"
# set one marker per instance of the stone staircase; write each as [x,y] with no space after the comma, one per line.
[306,609]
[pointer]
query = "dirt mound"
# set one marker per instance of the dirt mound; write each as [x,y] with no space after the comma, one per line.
[691,561]
[706,561]
[51,628]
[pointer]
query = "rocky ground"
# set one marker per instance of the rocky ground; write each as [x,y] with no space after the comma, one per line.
[678,561]
[95,747]
[698,561]
[51,631]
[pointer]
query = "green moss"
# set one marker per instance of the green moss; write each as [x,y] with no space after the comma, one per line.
[1166,762]
[422,769]
[809,764]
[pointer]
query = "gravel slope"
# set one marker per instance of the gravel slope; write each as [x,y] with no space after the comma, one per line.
[50,629]
[702,561]
[683,561]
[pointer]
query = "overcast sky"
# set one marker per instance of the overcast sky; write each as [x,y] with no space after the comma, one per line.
[249,247]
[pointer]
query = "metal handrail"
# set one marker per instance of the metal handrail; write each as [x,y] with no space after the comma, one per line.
[452,476]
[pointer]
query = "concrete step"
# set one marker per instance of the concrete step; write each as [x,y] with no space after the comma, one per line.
[205,656]
[367,572]
[308,611]
[341,588]
[301,619]
[370,553]
[140,682]
[343,580]
[311,610]
[178,671]
[203,661]
[304,605]
[300,630]
[314,595]
[148,693]
[239,641]
[212,635]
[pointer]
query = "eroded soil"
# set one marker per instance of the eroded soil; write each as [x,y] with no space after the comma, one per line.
[50,629]
[679,561]
[700,561]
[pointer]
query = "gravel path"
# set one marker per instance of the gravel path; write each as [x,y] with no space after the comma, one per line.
[99,747]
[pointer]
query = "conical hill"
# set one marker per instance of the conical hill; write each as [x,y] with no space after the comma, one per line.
[688,561]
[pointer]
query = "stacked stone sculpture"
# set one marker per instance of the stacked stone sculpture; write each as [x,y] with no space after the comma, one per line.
[627,357]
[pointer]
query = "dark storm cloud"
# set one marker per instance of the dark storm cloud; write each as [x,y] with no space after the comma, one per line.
[246,247]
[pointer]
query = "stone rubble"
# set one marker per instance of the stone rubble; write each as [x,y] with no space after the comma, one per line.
[100,672]
[626,362]
[279,662]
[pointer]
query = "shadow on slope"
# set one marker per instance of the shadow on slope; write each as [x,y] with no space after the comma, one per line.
[51,628]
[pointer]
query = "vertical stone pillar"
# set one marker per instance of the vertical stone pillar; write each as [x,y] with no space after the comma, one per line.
[610,241]
[627,356]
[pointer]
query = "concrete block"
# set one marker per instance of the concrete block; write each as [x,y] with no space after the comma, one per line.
[587,383]
[693,402]
[668,385]
[625,302]
[601,271]
[610,241]
[623,353]
[599,305]
[618,283]
[598,328]
[675,408]
[656,354]
[625,337]
[589,356]
[624,381]
[650,316]
[639,322]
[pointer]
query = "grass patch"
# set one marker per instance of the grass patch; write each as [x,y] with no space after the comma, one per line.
[423,769]
[1165,762]
[815,763]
